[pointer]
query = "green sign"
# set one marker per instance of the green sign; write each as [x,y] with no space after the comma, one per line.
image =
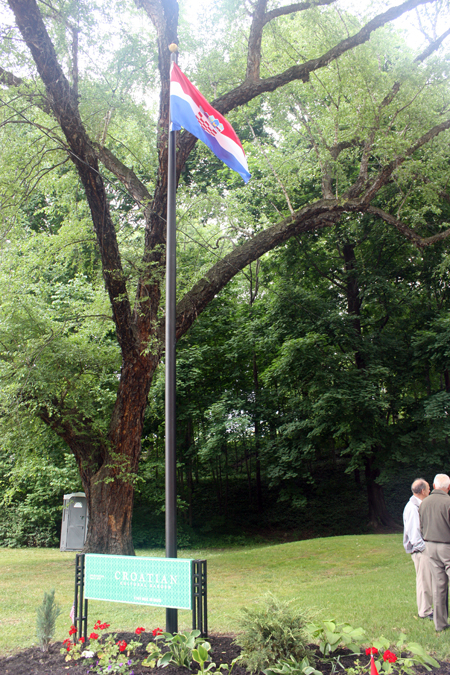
[163,582]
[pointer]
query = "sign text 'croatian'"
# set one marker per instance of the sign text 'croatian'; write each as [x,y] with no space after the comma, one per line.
[163,582]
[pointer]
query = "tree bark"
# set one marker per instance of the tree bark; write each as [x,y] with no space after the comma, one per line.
[379,516]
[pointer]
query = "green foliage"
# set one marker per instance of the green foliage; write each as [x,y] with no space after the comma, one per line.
[57,344]
[229,666]
[292,667]
[417,656]
[31,497]
[180,647]
[201,655]
[271,631]
[154,654]
[333,635]
[46,617]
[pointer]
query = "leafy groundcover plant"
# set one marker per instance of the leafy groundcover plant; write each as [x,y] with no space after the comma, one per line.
[387,661]
[179,647]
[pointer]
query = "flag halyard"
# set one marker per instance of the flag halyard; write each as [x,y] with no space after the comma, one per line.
[189,109]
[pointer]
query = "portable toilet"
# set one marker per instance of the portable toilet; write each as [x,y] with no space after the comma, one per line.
[74,522]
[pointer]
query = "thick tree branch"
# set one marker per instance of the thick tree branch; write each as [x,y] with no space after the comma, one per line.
[254,41]
[250,89]
[164,16]
[322,213]
[64,104]
[382,178]
[297,7]
[336,150]
[407,232]
[432,47]
[89,455]
[10,79]
[126,176]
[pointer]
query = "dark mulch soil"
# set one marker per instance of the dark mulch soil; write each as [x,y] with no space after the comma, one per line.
[34,662]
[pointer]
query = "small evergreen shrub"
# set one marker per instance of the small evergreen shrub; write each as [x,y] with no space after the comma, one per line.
[272,631]
[47,614]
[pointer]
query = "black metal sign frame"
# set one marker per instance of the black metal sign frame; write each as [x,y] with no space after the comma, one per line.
[200,604]
[80,602]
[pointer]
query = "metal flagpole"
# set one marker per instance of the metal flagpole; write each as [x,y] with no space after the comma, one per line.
[170,349]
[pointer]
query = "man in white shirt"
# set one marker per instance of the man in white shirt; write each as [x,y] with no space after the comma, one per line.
[415,545]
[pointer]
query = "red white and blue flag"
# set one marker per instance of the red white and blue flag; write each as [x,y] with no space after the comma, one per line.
[189,109]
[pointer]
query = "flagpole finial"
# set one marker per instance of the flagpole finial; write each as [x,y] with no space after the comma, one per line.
[173,47]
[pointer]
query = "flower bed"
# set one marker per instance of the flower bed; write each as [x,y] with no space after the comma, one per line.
[33,661]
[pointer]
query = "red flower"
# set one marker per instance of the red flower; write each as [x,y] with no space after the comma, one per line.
[122,645]
[140,630]
[101,626]
[93,636]
[81,639]
[72,630]
[371,650]
[157,631]
[66,641]
[389,656]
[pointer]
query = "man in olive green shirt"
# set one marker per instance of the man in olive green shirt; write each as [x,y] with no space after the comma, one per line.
[434,514]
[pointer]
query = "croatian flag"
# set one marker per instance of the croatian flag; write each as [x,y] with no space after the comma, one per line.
[189,109]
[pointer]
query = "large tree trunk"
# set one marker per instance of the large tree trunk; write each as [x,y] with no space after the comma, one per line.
[110,505]
[108,468]
[110,490]
[256,420]
[379,516]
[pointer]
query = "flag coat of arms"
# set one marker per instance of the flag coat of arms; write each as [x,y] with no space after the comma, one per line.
[190,110]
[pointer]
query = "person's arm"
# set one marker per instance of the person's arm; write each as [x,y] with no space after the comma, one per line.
[412,528]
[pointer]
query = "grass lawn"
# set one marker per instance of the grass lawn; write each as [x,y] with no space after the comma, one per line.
[365,580]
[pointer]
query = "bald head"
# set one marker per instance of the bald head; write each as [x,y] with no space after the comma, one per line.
[441,482]
[420,488]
